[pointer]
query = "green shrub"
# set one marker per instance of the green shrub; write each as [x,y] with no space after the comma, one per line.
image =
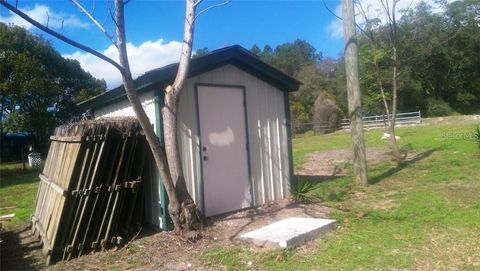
[301,190]
[438,108]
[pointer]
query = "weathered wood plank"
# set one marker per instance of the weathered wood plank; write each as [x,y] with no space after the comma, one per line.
[69,139]
[53,185]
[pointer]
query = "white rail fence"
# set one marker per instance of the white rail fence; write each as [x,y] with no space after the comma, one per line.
[376,121]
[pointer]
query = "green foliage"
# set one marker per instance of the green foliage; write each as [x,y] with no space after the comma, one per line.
[438,60]
[301,190]
[201,52]
[301,60]
[289,57]
[436,107]
[39,89]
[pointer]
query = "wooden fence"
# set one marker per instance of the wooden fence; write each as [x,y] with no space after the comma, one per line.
[88,194]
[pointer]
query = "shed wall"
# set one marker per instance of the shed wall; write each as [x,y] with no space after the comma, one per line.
[123,108]
[267,133]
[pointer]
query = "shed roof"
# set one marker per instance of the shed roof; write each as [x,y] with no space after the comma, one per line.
[234,55]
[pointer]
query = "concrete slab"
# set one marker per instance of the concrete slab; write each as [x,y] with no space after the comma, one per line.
[289,232]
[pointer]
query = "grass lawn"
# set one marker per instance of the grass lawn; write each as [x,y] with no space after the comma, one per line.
[17,193]
[423,214]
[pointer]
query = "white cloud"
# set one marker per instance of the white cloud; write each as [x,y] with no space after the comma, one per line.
[335,27]
[374,9]
[44,14]
[147,56]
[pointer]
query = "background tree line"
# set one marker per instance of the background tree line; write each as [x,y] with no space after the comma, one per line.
[438,65]
[39,89]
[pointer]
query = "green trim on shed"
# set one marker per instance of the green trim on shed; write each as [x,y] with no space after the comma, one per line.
[165,221]
[289,136]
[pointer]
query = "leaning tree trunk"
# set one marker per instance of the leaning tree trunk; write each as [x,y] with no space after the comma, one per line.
[190,216]
[158,154]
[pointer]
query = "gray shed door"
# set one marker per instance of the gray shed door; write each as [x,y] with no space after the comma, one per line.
[223,149]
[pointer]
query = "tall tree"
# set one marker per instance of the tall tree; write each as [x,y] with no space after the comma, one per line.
[354,94]
[387,50]
[182,210]
[438,59]
[39,88]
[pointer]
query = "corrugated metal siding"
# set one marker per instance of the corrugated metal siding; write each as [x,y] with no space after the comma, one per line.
[123,108]
[267,133]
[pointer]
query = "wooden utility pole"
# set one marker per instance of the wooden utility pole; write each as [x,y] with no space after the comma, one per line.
[354,95]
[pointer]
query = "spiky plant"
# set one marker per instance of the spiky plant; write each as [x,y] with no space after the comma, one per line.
[301,191]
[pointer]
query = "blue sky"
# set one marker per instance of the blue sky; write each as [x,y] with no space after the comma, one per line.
[154,28]
[239,22]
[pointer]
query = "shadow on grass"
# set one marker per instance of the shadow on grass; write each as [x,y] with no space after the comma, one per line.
[402,165]
[18,178]
[317,178]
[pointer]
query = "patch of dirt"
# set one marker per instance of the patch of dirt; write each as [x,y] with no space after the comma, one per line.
[163,250]
[20,250]
[335,162]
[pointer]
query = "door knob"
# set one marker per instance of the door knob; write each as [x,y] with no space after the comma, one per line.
[205,158]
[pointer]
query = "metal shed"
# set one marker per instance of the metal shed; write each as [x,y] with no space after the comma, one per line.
[234,130]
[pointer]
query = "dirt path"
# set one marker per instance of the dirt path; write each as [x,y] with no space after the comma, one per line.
[336,162]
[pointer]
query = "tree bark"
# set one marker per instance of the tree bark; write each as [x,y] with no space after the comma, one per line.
[190,217]
[393,141]
[158,154]
[393,32]
[354,95]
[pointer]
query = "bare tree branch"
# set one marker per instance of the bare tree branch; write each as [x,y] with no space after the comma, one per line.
[61,37]
[369,34]
[90,16]
[329,10]
[112,15]
[48,18]
[198,2]
[209,8]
